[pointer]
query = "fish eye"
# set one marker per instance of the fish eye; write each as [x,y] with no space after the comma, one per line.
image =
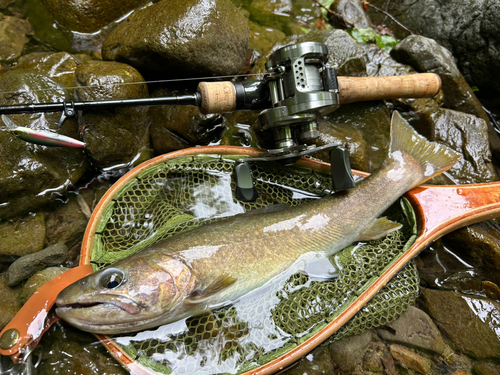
[112,278]
[16,133]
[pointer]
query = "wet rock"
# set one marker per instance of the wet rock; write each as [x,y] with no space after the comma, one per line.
[351,11]
[66,224]
[33,175]
[47,30]
[466,134]
[486,368]
[306,12]
[13,36]
[241,129]
[348,353]
[469,29]
[182,39]
[89,16]
[60,66]
[479,245]
[372,361]
[277,14]
[379,63]
[414,328]
[467,320]
[178,126]
[332,131]
[117,136]
[10,302]
[426,55]
[410,360]
[28,265]
[70,351]
[443,268]
[315,363]
[21,236]
[37,280]
[262,38]
[345,54]
[364,127]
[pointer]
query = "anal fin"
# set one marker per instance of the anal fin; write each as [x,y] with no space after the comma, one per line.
[380,228]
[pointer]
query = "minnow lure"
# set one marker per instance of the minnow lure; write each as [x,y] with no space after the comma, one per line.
[41,137]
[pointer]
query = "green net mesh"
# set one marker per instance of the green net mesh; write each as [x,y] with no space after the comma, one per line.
[184,193]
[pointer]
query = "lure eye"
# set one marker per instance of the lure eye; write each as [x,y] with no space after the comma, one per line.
[112,278]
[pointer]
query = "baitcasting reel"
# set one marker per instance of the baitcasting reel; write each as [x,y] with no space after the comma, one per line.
[298,87]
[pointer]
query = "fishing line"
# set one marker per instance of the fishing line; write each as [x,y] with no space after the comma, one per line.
[139,83]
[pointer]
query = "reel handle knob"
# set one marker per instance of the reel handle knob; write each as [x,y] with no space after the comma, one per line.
[358,89]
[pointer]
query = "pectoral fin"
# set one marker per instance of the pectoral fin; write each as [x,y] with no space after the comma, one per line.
[202,295]
[380,228]
[321,269]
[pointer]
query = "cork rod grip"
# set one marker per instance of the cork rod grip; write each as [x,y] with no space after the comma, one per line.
[357,89]
[217,97]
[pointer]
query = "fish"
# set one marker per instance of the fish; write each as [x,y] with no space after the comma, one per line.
[216,264]
[41,137]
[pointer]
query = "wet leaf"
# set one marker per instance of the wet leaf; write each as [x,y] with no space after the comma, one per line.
[385,42]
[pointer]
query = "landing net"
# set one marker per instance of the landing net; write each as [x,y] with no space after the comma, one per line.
[187,192]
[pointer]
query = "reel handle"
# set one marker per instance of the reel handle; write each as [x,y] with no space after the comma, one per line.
[358,89]
[217,97]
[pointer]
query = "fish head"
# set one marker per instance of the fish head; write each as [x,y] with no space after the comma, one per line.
[132,295]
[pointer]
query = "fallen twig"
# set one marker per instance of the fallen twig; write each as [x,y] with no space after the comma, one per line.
[336,15]
[366,4]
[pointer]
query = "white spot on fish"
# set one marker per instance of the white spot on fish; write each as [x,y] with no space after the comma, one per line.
[200,252]
[315,222]
[398,172]
[429,170]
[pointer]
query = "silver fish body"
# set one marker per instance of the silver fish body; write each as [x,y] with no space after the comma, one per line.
[216,264]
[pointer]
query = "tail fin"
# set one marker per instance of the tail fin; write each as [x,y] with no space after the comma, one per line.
[434,158]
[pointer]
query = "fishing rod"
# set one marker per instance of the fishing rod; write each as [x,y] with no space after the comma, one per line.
[297,89]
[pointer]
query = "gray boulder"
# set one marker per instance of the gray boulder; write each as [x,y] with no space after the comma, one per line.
[470,29]
[181,38]
[28,265]
[467,320]
[426,55]
[466,134]
[414,328]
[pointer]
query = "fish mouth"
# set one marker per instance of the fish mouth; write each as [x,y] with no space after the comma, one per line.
[104,318]
[98,303]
